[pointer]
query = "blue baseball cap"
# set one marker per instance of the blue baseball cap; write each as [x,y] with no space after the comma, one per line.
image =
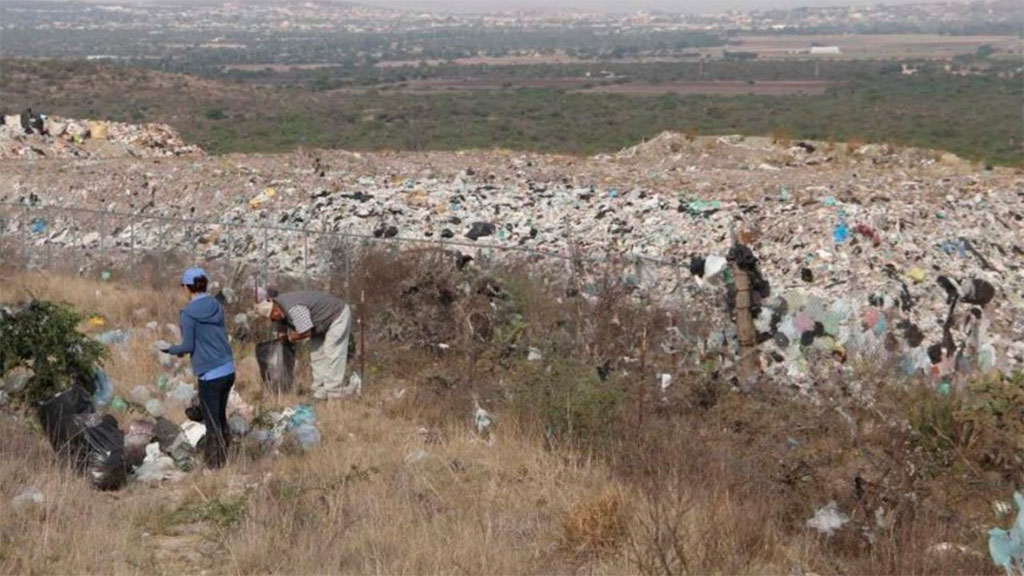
[190,275]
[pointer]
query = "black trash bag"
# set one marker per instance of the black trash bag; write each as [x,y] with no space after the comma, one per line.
[166,433]
[57,416]
[277,365]
[90,442]
[194,412]
[104,457]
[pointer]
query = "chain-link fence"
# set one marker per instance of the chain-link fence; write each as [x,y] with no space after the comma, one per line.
[144,249]
[154,248]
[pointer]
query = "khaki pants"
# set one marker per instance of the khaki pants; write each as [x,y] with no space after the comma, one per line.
[328,355]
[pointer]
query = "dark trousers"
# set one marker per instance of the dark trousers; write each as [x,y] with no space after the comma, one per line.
[213,400]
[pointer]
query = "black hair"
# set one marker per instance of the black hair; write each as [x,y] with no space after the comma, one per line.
[198,285]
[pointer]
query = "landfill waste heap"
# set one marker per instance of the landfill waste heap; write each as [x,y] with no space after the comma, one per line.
[38,136]
[912,255]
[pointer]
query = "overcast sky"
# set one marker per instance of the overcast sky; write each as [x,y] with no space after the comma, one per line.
[622,5]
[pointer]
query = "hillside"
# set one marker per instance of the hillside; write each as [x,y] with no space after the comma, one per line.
[937,111]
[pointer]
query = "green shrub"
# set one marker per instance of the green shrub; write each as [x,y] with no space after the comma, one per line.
[570,402]
[43,336]
[993,413]
[983,425]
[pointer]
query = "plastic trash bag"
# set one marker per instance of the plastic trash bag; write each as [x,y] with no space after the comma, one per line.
[140,394]
[111,337]
[194,412]
[276,359]
[104,389]
[57,416]
[300,415]
[828,519]
[90,442]
[1007,547]
[166,432]
[104,456]
[305,436]
[156,467]
[182,394]
[154,407]
[140,434]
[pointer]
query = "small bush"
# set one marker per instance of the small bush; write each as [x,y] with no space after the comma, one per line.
[573,404]
[597,524]
[214,114]
[43,336]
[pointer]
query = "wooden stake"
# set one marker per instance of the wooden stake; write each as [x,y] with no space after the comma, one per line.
[749,364]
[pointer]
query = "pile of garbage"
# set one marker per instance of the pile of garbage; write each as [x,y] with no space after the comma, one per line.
[82,425]
[32,135]
[859,245]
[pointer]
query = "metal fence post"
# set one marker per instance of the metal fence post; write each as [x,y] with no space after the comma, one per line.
[195,243]
[231,249]
[103,228]
[26,224]
[131,233]
[264,266]
[305,258]
[346,247]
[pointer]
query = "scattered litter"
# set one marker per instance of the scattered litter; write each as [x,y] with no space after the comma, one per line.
[104,389]
[111,337]
[828,519]
[16,379]
[482,419]
[154,407]
[140,394]
[28,496]
[194,432]
[182,394]
[534,355]
[1007,547]
[157,468]
[416,456]
[948,547]
[140,434]
[306,436]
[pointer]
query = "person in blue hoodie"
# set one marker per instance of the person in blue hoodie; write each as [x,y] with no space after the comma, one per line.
[205,339]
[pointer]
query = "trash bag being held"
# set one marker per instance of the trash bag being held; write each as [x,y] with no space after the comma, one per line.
[277,365]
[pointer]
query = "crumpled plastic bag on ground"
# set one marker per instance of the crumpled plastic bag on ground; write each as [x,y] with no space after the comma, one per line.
[828,519]
[140,434]
[182,394]
[104,459]
[157,468]
[28,496]
[1007,547]
[294,427]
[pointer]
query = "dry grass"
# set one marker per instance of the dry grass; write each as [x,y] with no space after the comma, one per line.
[378,496]
[579,475]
